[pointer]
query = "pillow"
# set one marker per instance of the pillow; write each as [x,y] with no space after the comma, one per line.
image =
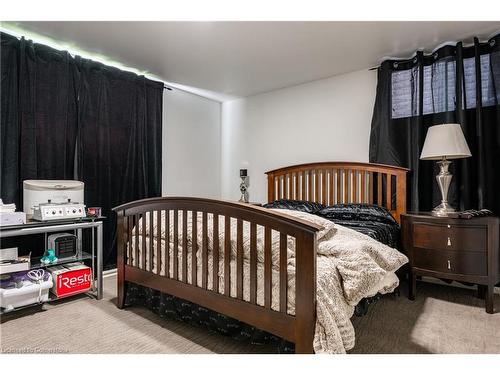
[309,207]
[357,212]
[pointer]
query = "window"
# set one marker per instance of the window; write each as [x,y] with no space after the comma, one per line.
[439,86]
[405,93]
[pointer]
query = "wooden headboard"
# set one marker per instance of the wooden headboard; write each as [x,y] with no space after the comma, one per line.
[341,182]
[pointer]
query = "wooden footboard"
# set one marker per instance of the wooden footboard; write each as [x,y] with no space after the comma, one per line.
[297,328]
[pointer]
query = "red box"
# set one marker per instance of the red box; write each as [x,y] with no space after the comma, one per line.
[71,279]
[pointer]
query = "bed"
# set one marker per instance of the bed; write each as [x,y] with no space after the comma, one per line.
[284,273]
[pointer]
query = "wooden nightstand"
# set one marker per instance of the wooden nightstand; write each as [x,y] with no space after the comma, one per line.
[456,249]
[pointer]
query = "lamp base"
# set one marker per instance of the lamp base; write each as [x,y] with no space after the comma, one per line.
[444,180]
[442,210]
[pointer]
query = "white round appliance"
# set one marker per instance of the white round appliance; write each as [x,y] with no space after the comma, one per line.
[56,191]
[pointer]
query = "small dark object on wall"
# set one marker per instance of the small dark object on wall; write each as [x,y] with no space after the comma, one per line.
[243,172]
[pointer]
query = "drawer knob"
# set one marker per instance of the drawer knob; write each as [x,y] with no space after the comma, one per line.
[449,265]
[449,241]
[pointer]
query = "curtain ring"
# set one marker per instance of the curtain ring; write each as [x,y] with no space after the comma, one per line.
[415,60]
[435,55]
[492,42]
[395,64]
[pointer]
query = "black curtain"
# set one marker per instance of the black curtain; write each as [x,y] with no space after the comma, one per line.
[39,115]
[455,84]
[119,148]
[65,117]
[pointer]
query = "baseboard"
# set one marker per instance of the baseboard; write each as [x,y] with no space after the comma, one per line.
[457,284]
[109,273]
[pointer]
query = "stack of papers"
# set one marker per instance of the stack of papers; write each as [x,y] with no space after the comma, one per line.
[7,207]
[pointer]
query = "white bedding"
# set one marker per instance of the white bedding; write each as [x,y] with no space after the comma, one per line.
[350,266]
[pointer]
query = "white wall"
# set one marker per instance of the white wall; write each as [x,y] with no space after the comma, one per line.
[191,145]
[325,120]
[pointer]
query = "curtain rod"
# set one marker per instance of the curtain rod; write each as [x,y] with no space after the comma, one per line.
[443,44]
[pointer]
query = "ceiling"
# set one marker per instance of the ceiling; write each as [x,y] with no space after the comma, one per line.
[245,58]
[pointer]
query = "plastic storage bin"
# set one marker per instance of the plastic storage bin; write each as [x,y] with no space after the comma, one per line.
[18,290]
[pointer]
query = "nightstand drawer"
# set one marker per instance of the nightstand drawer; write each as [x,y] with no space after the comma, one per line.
[450,237]
[464,263]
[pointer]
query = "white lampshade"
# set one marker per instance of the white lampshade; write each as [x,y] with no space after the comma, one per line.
[445,141]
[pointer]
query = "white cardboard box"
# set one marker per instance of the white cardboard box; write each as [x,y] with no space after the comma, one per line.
[9,253]
[15,267]
[12,218]
[11,262]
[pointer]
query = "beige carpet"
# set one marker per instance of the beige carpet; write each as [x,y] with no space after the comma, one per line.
[443,319]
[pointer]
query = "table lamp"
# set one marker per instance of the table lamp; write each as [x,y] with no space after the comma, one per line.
[444,142]
[244,185]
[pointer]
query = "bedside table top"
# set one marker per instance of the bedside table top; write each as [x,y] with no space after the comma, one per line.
[428,215]
[418,213]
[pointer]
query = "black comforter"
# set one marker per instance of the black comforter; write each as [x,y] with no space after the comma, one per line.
[372,220]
